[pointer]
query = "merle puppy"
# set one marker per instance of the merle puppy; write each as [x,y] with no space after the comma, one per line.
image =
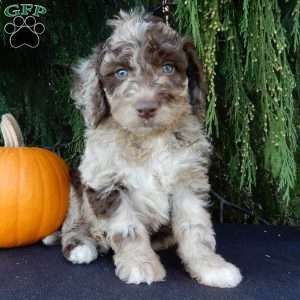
[146,157]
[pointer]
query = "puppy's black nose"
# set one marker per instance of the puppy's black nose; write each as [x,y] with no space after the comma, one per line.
[146,109]
[146,113]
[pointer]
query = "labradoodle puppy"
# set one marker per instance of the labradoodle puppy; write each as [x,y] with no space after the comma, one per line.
[144,167]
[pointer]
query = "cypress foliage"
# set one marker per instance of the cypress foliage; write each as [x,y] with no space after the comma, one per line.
[253,47]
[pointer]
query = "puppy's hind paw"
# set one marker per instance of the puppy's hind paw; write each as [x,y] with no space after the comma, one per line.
[52,239]
[79,253]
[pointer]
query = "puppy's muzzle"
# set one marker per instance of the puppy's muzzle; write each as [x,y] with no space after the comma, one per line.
[146,109]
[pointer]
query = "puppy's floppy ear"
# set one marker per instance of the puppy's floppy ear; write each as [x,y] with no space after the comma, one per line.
[197,83]
[153,19]
[87,90]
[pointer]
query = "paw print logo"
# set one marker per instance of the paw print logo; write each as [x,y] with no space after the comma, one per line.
[24,32]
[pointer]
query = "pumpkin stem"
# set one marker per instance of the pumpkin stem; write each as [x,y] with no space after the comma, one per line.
[11,131]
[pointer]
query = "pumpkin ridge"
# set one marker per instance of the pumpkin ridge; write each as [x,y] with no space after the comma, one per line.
[37,189]
[10,224]
[42,217]
[52,161]
[18,189]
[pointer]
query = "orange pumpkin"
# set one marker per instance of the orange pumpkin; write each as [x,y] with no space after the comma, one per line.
[34,188]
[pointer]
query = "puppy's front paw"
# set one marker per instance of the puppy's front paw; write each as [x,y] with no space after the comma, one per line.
[80,253]
[215,271]
[135,270]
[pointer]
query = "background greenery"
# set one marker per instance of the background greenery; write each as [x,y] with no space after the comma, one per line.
[251,53]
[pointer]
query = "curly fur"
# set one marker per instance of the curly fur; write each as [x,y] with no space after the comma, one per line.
[138,176]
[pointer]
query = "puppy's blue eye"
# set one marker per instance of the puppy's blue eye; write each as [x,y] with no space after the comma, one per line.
[121,73]
[168,68]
